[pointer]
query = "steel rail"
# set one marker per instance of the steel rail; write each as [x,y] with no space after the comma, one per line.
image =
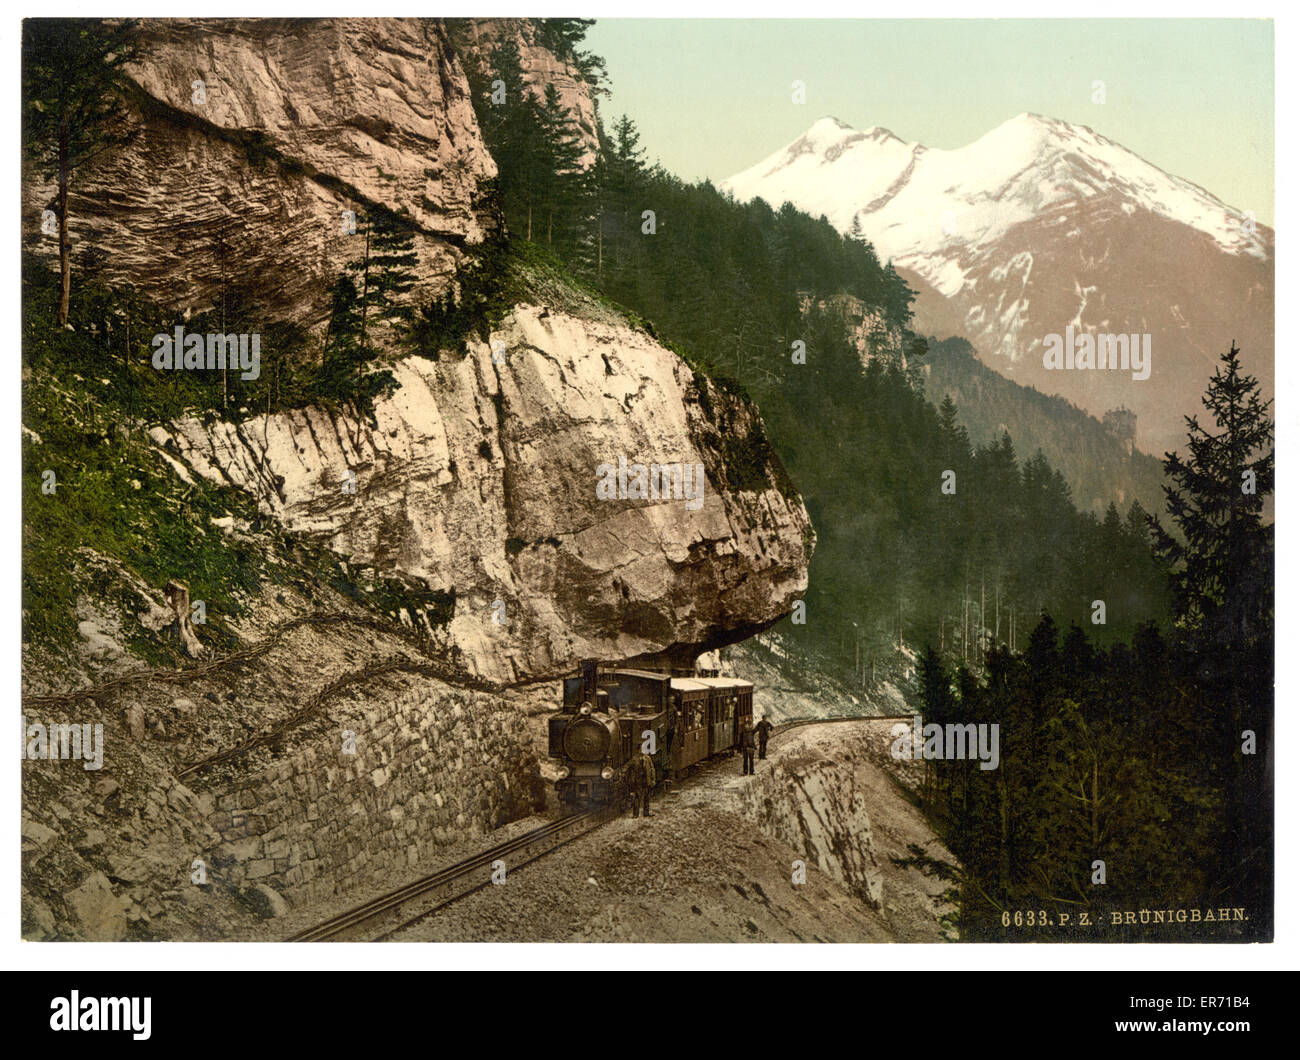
[454,881]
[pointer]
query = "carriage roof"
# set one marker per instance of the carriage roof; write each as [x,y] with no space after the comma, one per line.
[630,672]
[705,684]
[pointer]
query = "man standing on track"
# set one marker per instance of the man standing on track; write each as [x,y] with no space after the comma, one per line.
[746,748]
[763,730]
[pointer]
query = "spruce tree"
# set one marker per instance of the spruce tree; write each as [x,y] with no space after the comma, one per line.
[935,689]
[392,257]
[341,360]
[561,36]
[559,176]
[1222,579]
[618,179]
[1222,567]
[512,129]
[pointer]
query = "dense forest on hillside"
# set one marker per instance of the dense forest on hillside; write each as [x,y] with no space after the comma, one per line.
[1138,778]
[1096,464]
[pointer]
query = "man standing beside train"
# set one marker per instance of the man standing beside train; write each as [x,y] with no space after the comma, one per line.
[641,777]
[746,748]
[763,730]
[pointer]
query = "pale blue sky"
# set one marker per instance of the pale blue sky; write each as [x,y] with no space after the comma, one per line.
[712,97]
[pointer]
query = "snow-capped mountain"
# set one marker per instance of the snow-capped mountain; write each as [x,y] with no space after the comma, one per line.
[1041,225]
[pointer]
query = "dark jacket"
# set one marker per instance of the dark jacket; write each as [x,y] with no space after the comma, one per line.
[747,738]
[763,730]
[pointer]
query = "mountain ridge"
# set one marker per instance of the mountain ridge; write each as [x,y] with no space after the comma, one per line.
[830,138]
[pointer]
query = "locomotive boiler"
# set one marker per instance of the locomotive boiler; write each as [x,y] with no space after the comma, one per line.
[610,715]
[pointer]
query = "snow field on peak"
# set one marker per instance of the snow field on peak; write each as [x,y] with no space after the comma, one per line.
[914,202]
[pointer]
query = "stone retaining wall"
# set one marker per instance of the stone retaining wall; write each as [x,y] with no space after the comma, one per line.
[432,764]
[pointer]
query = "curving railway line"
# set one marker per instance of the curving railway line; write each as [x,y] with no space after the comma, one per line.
[788,726]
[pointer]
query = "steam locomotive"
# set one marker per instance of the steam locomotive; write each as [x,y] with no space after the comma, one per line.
[610,715]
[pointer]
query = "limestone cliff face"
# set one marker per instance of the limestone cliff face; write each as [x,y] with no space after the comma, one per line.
[480,479]
[485,487]
[240,184]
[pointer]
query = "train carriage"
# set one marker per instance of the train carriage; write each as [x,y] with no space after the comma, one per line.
[731,705]
[691,706]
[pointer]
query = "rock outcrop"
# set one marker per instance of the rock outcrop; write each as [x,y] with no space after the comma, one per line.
[252,138]
[834,795]
[98,912]
[479,478]
[811,804]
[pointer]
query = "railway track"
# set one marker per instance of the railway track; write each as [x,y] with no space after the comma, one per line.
[790,726]
[385,916]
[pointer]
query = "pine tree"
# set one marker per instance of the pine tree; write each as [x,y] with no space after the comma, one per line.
[935,689]
[956,440]
[71,107]
[561,36]
[510,118]
[1222,569]
[368,296]
[382,275]
[618,178]
[341,358]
